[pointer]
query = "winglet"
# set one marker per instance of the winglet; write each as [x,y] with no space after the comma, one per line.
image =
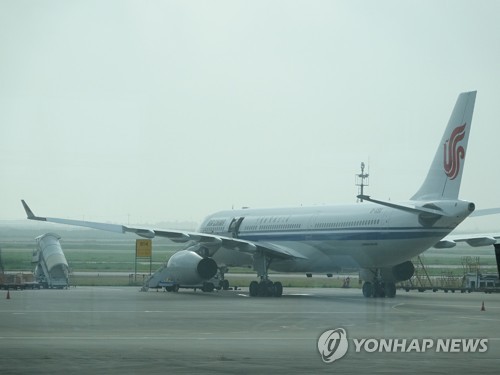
[29,213]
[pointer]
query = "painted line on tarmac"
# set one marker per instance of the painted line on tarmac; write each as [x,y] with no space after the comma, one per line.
[108,338]
[292,294]
[413,304]
[232,312]
[395,307]
[479,318]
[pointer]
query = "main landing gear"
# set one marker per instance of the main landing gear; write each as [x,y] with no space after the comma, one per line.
[264,288]
[376,285]
[223,282]
[172,288]
[379,289]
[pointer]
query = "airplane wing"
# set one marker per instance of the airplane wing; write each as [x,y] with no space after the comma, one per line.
[211,241]
[474,240]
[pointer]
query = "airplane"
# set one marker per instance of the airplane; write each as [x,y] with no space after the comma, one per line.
[378,237]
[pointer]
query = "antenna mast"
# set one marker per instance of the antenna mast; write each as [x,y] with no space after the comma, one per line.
[362,180]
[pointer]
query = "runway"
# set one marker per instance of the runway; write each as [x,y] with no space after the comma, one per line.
[124,331]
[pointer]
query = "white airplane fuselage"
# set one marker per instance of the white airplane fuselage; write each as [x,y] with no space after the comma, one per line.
[362,235]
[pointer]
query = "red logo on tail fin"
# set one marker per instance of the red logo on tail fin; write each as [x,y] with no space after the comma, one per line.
[453,152]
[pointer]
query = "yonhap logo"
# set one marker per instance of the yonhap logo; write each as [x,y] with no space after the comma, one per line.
[332,345]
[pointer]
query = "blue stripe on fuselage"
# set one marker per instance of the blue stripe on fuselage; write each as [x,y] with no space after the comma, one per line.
[346,235]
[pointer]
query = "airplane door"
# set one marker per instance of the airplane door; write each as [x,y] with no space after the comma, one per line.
[386,217]
[234,226]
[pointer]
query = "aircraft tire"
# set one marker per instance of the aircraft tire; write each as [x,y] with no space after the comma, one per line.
[390,290]
[208,287]
[254,289]
[368,289]
[379,290]
[266,289]
[278,289]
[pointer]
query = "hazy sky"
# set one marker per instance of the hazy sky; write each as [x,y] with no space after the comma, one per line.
[155,111]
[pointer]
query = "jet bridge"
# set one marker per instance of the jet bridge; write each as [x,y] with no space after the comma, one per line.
[51,266]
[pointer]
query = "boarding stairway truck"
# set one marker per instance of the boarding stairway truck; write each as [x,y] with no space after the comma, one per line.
[159,279]
[51,266]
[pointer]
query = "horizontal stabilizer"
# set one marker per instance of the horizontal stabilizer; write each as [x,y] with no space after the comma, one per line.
[474,240]
[486,212]
[413,209]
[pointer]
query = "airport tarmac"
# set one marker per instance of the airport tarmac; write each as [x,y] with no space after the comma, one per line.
[119,330]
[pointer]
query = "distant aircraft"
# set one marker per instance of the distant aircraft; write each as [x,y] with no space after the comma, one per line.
[378,237]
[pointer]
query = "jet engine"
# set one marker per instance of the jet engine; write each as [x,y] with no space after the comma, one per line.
[400,272]
[188,268]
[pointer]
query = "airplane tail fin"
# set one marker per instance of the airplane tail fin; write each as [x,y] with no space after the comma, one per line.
[445,174]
